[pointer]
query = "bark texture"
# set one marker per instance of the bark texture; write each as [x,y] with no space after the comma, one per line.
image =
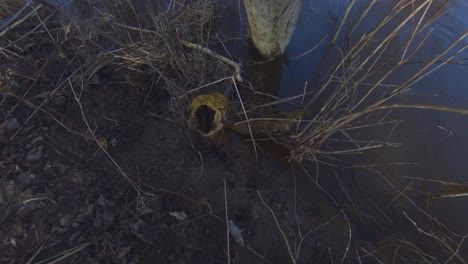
[271,24]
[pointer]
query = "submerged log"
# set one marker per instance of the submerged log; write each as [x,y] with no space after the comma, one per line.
[207,114]
[271,24]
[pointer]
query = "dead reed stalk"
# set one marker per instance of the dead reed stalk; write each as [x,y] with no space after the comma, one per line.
[357,86]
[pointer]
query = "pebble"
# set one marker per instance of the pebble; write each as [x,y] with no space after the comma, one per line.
[65,220]
[25,178]
[7,126]
[236,233]
[11,124]
[114,142]
[35,154]
[36,140]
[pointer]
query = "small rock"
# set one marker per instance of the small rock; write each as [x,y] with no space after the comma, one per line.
[236,233]
[65,220]
[25,178]
[113,142]
[143,209]
[8,192]
[27,146]
[122,252]
[36,140]
[181,216]
[144,232]
[35,154]
[7,126]
[13,242]
[11,124]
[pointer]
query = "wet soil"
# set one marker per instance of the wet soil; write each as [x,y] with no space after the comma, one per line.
[62,196]
[61,192]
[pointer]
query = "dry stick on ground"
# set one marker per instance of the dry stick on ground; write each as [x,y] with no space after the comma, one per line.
[236,66]
[65,254]
[316,181]
[90,130]
[34,112]
[34,79]
[291,254]
[204,86]
[37,252]
[246,117]
[296,249]
[80,22]
[350,236]
[457,251]
[313,231]
[24,35]
[34,107]
[43,245]
[227,224]
[34,11]
[15,16]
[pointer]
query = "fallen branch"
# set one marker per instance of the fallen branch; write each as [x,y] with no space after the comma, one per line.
[236,66]
[461,111]
[15,16]
[6,27]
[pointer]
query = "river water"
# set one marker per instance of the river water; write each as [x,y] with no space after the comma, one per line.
[433,144]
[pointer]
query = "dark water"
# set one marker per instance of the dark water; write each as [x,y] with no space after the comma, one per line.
[435,143]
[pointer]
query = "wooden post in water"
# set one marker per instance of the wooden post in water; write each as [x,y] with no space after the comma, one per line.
[271,24]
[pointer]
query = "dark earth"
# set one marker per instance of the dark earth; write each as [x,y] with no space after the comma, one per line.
[101,169]
[60,191]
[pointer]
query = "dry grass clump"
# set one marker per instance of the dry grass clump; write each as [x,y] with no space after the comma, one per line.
[10,7]
[155,42]
[362,83]
[75,49]
[143,40]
